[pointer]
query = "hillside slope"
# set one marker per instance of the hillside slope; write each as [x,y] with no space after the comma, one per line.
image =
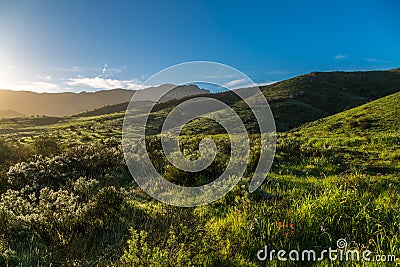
[320,94]
[307,97]
[10,114]
[379,116]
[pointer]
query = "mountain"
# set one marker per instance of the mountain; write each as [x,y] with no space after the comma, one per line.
[10,114]
[64,104]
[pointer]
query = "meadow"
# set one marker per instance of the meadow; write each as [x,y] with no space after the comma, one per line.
[67,198]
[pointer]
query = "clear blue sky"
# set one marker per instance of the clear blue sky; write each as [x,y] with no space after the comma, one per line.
[65,45]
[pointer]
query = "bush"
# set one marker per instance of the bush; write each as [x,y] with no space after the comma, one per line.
[46,146]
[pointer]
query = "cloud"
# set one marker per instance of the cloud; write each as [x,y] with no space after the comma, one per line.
[39,87]
[279,72]
[218,76]
[211,77]
[79,69]
[46,78]
[71,69]
[234,83]
[340,56]
[101,83]
[266,83]
[375,60]
[104,70]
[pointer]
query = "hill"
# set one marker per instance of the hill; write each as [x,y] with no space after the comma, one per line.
[66,104]
[319,94]
[10,114]
[379,116]
[310,97]
[110,109]
[304,98]
[293,102]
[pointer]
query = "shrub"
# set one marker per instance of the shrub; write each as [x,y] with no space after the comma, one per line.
[46,146]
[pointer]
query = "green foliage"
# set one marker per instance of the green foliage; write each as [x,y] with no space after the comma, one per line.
[10,154]
[46,146]
[68,200]
[61,203]
[189,147]
[375,117]
[140,253]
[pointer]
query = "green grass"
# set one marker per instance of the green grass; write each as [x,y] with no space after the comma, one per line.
[378,117]
[67,197]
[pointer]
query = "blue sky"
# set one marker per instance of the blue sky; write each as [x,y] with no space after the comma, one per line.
[57,46]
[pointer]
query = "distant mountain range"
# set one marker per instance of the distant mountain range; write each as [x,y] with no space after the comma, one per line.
[25,103]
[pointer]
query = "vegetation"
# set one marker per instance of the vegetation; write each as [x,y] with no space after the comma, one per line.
[67,198]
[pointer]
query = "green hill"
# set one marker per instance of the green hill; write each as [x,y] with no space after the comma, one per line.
[305,98]
[320,94]
[378,116]
[109,109]
[296,101]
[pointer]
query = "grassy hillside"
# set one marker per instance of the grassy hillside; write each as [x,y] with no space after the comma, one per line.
[320,94]
[309,97]
[375,117]
[68,199]
[109,109]
[368,136]
[305,98]
[293,102]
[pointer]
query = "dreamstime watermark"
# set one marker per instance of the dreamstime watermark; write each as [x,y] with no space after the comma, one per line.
[341,253]
[138,115]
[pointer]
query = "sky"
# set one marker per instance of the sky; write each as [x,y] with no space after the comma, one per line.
[71,45]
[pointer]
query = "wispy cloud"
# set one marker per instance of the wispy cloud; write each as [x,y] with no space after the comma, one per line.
[218,76]
[39,87]
[72,69]
[234,83]
[80,69]
[279,72]
[340,56]
[375,60]
[46,77]
[101,83]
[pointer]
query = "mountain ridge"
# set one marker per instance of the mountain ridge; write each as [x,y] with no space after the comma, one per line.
[70,103]
[307,97]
